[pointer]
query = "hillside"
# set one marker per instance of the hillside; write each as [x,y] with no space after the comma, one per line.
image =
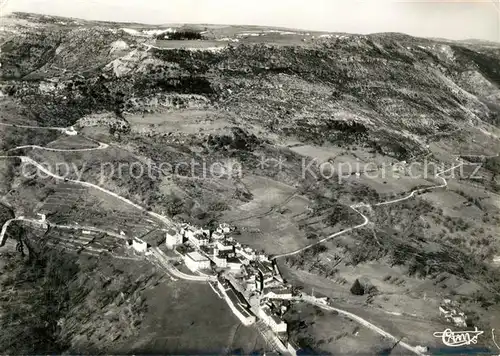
[318,122]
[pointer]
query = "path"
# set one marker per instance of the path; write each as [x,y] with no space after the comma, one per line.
[10,221]
[163,261]
[61,129]
[368,325]
[100,147]
[28,160]
[41,223]
[158,258]
[365,218]
[365,222]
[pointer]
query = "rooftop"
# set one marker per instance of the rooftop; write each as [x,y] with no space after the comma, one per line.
[276,319]
[196,256]
[279,291]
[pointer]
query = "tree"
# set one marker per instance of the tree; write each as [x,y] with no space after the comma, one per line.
[357,288]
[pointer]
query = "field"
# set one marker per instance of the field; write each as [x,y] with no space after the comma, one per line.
[401,312]
[202,322]
[88,243]
[368,105]
[191,122]
[267,221]
[72,142]
[190,44]
[330,333]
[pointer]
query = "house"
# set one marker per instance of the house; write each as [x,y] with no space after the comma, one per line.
[139,246]
[236,302]
[265,268]
[250,283]
[70,131]
[246,252]
[277,293]
[187,231]
[292,347]
[220,260]
[216,235]
[173,239]
[443,310]
[234,263]
[450,312]
[272,320]
[459,320]
[225,228]
[195,261]
[259,282]
[224,245]
[198,239]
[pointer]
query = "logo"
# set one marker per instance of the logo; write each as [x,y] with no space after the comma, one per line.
[459,338]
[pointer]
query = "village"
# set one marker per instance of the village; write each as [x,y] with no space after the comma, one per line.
[249,281]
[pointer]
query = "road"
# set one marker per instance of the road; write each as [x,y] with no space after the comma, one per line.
[368,325]
[41,223]
[157,257]
[160,259]
[28,160]
[10,221]
[101,147]
[354,207]
[61,129]
[366,205]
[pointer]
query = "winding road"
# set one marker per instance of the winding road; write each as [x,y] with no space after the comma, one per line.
[52,128]
[366,205]
[369,326]
[101,147]
[10,221]
[28,160]
[163,261]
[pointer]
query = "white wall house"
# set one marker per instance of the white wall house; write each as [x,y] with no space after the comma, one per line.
[195,261]
[139,246]
[216,235]
[224,246]
[173,239]
[70,131]
[219,260]
[284,294]
[225,228]
[234,264]
[247,253]
[198,239]
[273,321]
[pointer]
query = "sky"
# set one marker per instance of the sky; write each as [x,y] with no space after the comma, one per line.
[453,19]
